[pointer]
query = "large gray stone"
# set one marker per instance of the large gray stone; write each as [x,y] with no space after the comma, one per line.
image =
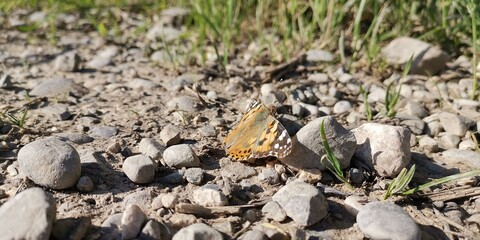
[51,163]
[383,147]
[28,215]
[385,220]
[307,148]
[52,87]
[427,59]
[302,202]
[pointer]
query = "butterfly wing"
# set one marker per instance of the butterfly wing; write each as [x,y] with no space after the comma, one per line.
[273,140]
[257,135]
[240,140]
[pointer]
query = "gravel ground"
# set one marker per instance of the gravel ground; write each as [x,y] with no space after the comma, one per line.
[119,142]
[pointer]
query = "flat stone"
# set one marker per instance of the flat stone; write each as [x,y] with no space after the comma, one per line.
[198,231]
[427,60]
[371,221]
[51,163]
[209,196]
[163,33]
[57,111]
[173,178]
[184,103]
[78,138]
[382,147]
[139,168]
[236,171]
[101,131]
[111,226]
[142,198]
[28,215]
[103,58]
[469,159]
[208,131]
[415,109]
[307,148]
[52,87]
[181,155]
[315,56]
[319,77]
[302,202]
[140,83]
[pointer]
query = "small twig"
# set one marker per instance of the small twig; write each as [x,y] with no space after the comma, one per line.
[279,71]
[213,211]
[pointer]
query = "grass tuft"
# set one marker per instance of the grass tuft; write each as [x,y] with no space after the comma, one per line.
[393,95]
[333,164]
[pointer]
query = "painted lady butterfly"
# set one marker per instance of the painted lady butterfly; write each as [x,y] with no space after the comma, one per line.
[258,134]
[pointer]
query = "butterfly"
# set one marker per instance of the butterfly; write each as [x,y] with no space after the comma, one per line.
[258,134]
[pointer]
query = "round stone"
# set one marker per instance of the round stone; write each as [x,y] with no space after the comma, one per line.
[50,163]
[139,168]
[85,184]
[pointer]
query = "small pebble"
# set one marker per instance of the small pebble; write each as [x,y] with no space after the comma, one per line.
[356,176]
[181,155]
[85,184]
[448,141]
[209,196]
[169,200]
[194,175]
[269,175]
[170,135]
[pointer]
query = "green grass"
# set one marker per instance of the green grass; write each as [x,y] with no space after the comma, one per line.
[333,164]
[17,120]
[473,11]
[393,94]
[366,105]
[283,28]
[399,185]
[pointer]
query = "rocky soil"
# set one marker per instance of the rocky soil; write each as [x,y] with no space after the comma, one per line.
[104,139]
